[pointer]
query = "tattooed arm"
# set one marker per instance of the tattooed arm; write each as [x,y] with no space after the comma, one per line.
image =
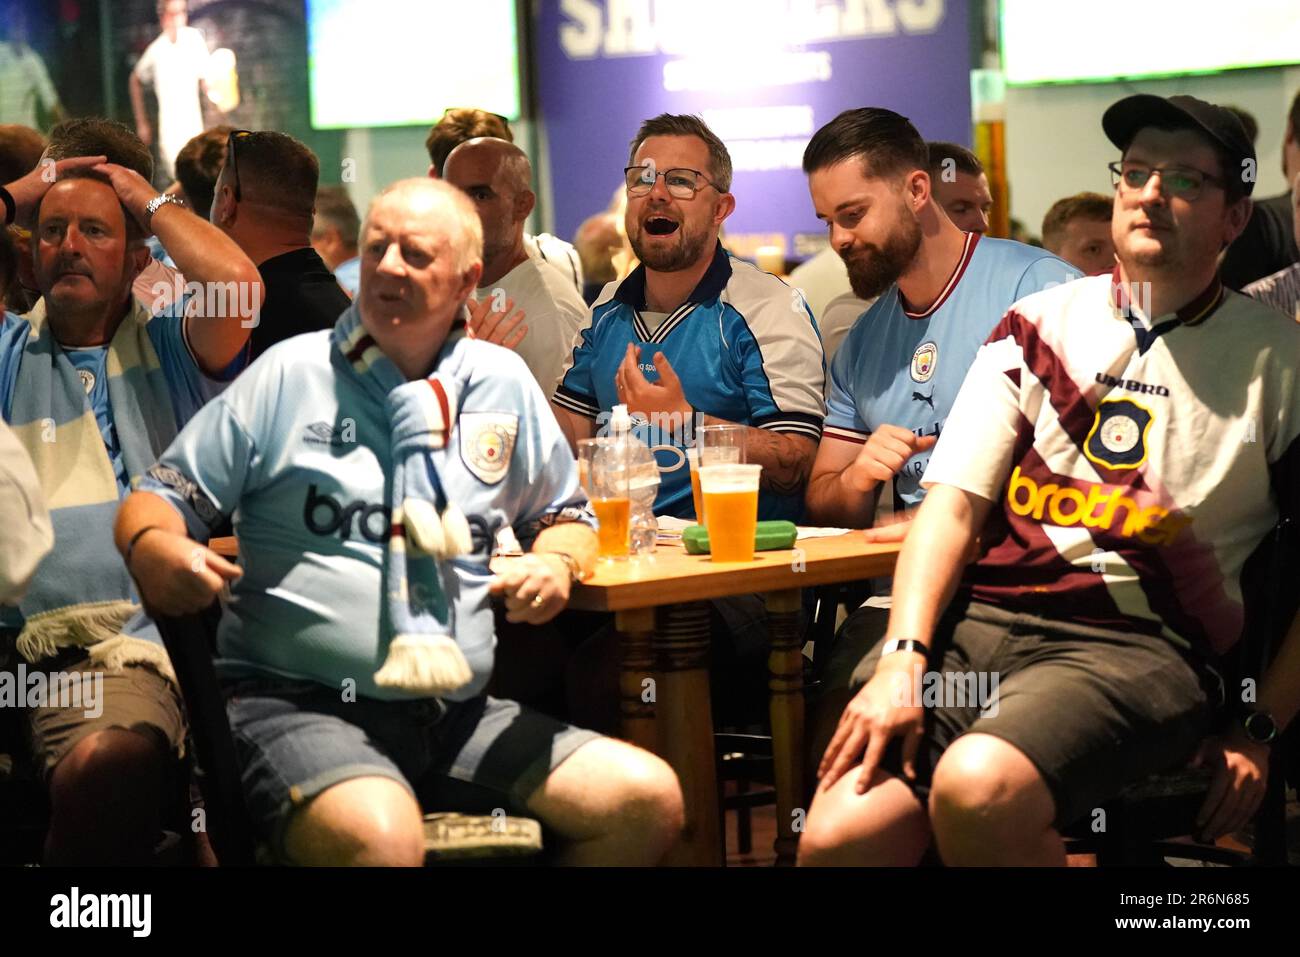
[786,458]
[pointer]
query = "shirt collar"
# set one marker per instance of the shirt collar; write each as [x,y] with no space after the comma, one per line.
[631,291]
[1192,313]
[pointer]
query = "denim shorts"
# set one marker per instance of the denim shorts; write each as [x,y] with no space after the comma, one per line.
[295,739]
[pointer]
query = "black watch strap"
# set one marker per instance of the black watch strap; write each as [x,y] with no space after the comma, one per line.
[904,644]
[1260,727]
[11,208]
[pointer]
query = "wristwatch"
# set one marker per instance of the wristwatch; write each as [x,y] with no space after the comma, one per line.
[1260,727]
[575,570]
[158,202]
[904,644]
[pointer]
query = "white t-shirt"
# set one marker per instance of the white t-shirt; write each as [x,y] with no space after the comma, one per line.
[23,83]
[821,278]
[558,254]
[174,70]
[554,313]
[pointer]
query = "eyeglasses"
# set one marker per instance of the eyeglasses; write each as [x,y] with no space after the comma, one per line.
[680,182]
[1176,181]
[234,137]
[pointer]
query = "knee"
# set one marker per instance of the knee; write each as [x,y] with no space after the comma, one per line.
[984,785]
[648,797]
[822,841]
[111,762]
[364,826]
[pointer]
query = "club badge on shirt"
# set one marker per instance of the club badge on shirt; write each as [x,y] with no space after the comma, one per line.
[924,359]
[487,440]
[1118,439]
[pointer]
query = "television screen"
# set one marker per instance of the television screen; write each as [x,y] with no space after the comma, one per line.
[1063,41]
[405,62]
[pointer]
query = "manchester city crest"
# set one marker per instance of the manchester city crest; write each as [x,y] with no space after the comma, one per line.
[487,440]
[1118,439]
[924,359]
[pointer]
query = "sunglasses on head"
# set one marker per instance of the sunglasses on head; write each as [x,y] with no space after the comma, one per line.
[235,137]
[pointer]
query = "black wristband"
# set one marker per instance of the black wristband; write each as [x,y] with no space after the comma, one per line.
[11,209]
[130,547]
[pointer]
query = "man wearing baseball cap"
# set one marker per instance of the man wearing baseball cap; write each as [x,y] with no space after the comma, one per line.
[1120,446]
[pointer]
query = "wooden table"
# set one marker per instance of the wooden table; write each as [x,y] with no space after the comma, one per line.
[664,678]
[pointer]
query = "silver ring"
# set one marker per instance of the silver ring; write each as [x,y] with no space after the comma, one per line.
[538,601]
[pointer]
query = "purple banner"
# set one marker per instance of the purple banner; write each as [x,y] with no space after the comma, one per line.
[765,75]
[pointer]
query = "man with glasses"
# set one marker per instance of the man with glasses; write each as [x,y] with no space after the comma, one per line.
[265,200]
[690,337]
[1120,446]
[694,336]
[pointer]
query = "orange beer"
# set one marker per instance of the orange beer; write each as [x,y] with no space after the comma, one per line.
[731,510]
[697,496]
[612,516]
[732,517]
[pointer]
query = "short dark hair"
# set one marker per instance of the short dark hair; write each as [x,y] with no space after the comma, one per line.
[334,208]
[198,165]
[20,151]
[95,136]
[885,142]
[673,124]
[962,158]
[459,125]
[1293,117]
[278,171]
[1092,206]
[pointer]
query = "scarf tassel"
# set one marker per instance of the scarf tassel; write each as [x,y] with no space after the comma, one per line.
[424,664]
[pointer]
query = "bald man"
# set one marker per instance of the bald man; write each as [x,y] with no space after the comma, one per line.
[496,175]
[334,752]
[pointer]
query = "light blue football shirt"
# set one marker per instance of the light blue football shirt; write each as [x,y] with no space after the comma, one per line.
[299,452]
[902,368]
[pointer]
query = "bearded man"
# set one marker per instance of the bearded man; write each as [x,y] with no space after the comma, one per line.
[694,336]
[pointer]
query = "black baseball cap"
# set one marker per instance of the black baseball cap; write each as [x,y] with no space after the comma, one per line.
[1124,119]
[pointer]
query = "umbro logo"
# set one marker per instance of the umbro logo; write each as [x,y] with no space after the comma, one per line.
[928,399]
[322,433]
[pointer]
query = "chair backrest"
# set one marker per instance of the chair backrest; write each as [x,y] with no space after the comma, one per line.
[229,826]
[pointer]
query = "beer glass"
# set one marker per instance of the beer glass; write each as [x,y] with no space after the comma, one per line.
[730,509]
[608,475]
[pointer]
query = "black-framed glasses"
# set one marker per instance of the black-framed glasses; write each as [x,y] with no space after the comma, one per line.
[680,182]
[234,137]
[1177,181]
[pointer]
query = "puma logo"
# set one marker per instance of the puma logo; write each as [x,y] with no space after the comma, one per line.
[928,399]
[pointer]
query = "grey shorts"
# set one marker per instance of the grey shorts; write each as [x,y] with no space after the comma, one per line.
[295,739]
[1094,710]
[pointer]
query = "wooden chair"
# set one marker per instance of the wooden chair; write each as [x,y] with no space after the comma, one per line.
[449,838]
[744,755]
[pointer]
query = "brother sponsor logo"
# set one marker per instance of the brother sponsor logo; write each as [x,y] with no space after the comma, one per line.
[324,515]
[103,910]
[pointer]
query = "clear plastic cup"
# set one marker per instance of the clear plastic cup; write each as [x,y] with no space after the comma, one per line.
[731,510]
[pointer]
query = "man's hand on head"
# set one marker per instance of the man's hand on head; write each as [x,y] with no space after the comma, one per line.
[883,456]
[28,190]
[665,397]
[498,326]
[132,189]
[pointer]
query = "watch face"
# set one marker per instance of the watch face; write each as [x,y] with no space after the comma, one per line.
[1260,727]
